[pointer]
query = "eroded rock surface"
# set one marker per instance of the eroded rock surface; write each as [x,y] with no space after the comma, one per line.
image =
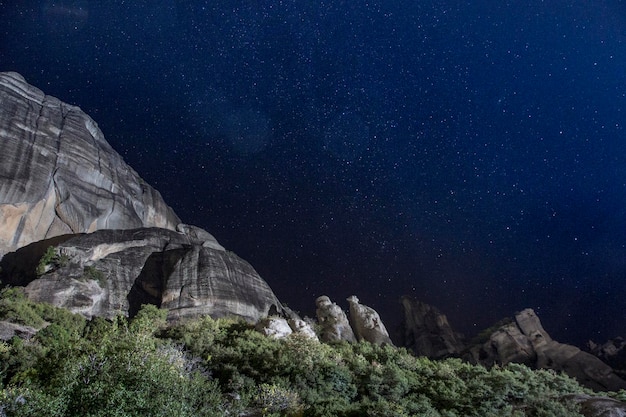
[612,352]
[427,331]
[526,341]
[367,324]
[116,271]
[334,325]
[58,175]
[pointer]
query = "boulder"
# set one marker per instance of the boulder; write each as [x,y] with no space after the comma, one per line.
[334,325]
[8,330]
[597,406]
[427,332]
[276,327]
[300,326]
[367,324]
[58,175]
[108,272]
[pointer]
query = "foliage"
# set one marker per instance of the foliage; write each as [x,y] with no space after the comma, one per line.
[207,367]
[50,258]
[92,273]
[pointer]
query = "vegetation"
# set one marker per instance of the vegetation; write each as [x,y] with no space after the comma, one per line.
[206,367]
[92,273]
[50,259]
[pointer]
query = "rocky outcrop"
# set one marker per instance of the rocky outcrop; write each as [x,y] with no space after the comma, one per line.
[9,330]
[612,352]
[334,325]
[275,327]
[597,406]
[116,271]
[59,176]
[525,340]
[367,324]
[427,332]
[303,328]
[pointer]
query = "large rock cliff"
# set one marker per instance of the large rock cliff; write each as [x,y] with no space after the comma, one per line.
[59,176]
[81,230]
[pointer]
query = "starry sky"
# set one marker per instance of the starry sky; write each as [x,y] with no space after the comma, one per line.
[468,153]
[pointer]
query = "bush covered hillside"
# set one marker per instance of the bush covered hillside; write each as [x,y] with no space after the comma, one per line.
[206,367]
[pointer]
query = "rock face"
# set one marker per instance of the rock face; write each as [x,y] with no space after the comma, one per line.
[427,331]
[334,325]
[526,341]
[367,324]
[613,353]
[60,179]
[116,271]
[59,176]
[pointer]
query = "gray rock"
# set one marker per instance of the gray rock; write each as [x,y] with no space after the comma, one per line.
[8,330]
[276,327]
[334,325]
[427,331]
[597,406]
[612,352]
[508,344]
[59,176]
[116,271]
[526,341]
[300,326]
[367,324]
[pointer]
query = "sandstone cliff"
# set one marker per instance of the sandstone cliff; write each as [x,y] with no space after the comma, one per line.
[115,243]
[59,176]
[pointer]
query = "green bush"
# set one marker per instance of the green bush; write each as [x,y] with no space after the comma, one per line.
[92,273]
[51,258]
[208,367]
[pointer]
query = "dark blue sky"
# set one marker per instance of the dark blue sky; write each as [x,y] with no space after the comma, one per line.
[468,153]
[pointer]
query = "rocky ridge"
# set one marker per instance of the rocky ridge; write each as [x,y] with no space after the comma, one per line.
[521,339]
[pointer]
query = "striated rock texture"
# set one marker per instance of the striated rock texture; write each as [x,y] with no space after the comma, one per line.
[116,271]
[427,331]
[334,325]
[59,176]
[525,340]
[367,324]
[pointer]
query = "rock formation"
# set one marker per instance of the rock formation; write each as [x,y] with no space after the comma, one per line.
[597,406]
[334,325]
[613,353]
[276,327]
[59,176]
[367,324]
[59,179]
[116,271]
[526,341]
[427,331]
[302,327]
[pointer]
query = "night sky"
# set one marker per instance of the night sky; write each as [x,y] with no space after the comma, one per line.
[469,153]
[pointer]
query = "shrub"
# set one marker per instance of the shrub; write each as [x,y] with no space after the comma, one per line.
[50,259]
